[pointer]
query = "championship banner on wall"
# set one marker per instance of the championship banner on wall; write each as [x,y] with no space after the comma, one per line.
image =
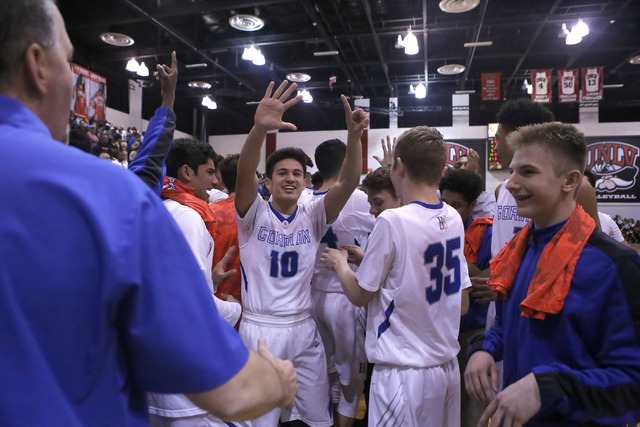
[89,98]
[615,164]
[491,86]
[541,86]
[568,85]
[591,84]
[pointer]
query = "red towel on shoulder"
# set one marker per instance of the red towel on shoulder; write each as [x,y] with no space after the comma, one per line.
[175,190]
[473,236]
[550,283]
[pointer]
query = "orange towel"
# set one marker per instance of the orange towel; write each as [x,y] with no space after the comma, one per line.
[550,283]
[175,190]
[473,236]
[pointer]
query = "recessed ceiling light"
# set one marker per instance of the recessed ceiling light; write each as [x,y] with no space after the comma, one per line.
[116,39]
[635,60]
[451,69]
[199,85]
[246,22]
[458,6]
[298,77]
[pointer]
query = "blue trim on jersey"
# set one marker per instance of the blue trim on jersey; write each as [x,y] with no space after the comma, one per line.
[387,322]
[281,217]
[244,276]
[428,206]
[319,193]
[355,242]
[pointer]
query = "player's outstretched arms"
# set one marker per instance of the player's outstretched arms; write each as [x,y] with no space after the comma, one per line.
[481,377]
[268,117]
[263,384]
[515,405]
[334,201]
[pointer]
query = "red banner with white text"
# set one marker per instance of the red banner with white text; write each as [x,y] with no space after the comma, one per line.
[491,86]
[568,86]
[541,81]
[591,84]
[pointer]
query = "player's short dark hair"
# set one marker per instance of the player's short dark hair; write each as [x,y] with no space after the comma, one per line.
[462,181]
[423,152]
[591,177]
[316,179]
[286,153]
[522,112]
[565,142]
[190,152]
[379,180]
[329,156]
[228,171]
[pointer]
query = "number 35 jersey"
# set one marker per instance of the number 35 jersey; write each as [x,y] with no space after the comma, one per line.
[414,261]
[277,256]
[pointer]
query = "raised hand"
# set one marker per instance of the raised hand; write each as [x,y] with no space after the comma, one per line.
[168,77]
[271,108]
[473,162]
[357,121]
[387,152]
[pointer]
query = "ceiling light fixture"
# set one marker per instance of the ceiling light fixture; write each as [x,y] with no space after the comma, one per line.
[421,91]
[613,86]
[635,60]
[117,39]
[465,91]
[132,65]
[526,86]
[200,65]
[326,53]
[254,55]
[458,6]
[577,33]
[451,69]
[298,77]
[143,71]
[246,22]
[199,85]
[410,43]
[209,103]
[479,44]
[306,96]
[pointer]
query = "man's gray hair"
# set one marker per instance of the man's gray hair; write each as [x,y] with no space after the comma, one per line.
[22,23]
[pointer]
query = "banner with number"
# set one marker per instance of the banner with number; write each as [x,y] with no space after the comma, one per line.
[568,85]
[491,86]
[591,84]
[541,86]
[89,98]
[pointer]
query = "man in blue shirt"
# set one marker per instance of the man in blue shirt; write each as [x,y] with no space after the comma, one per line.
[100,297]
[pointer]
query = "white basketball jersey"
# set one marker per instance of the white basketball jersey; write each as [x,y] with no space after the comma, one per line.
[506,222]
[277,256]
[352,227]
[414,261]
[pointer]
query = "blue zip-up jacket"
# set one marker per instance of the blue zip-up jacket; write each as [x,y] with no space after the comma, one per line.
[586,359]
[150,163]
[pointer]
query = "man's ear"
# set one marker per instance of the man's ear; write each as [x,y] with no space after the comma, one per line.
[35,70]
[267,183]
[185,173]
[572,181]
[399,166]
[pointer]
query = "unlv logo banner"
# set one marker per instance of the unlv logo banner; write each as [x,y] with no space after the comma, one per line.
[614,162]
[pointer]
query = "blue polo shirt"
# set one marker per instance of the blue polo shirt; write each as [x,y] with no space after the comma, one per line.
[101,299]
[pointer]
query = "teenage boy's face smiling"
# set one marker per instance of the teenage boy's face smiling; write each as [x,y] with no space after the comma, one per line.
[287,181]
[536,187]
